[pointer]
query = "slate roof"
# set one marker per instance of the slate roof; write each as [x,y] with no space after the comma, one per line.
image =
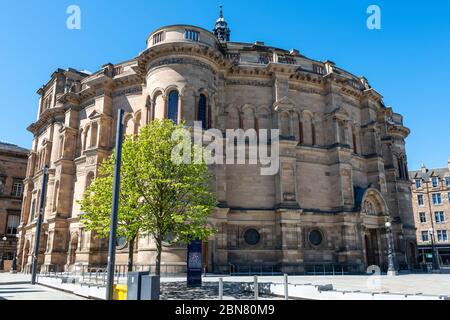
[8,147]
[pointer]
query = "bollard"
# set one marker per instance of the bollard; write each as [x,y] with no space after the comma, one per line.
[286,289]
[256,287]
[220,288]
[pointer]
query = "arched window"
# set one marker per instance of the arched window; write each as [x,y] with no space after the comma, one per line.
[313,133]
[55,197]
[355,146]
[202,111]
[33,210]
[94,133]
[172,113]
[301,138]
[61,147]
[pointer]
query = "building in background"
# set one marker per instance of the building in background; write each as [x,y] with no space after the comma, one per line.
[431,203]
[13,167]
[343,169]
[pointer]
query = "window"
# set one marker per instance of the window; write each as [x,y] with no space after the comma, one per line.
[191,35]
[437,198]
[318,69]
[33,210]
[2,185]
[252,237]
[418,183]
[422,217]
[173,107]
[301,138]
[202,110]
[435,182]
[447,181]
[439,216]
[315,238]
[17,190]
[442,235]
[425,236]
[420,200]
[159,37]
[12,224]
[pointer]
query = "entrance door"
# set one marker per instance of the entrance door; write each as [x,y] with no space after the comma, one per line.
[412,254]
[371,241]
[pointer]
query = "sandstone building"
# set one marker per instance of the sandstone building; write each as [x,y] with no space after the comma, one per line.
[431,204]
[13,167]
[343,170]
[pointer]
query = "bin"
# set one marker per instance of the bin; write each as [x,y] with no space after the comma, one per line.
[120,292]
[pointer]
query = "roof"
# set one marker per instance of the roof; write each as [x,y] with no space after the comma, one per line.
[8,147]
[438,172]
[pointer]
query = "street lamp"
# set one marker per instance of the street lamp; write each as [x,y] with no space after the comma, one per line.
[435,261]
[2,266]
[391,260]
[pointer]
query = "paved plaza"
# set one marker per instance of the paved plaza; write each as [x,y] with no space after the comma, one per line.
[18,287]
[426,284]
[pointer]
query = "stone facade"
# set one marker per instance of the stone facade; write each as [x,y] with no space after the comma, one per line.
[431,204]
[13,167]
[339,179]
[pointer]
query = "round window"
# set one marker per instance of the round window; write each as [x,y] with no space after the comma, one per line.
[315,237]
[252,237]
[121,243]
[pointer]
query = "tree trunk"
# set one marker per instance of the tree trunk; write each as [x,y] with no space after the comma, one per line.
[158,257]
[131,255]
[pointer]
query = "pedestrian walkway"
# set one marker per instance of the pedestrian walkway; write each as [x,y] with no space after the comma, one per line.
[18,287]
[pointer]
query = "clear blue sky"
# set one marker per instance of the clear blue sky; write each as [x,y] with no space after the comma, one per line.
[407,61]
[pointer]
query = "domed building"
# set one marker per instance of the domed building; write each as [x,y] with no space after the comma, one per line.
[343,168]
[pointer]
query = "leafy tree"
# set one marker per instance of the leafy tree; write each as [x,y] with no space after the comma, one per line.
[158,196]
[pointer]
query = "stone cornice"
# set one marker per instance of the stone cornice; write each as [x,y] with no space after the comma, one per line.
[46,117]
[192,49]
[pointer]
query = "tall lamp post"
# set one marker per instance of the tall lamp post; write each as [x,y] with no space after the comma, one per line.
[115,208]
[391,259]
[38,226]
[2,263]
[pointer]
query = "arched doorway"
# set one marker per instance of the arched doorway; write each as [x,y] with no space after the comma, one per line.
[73,246]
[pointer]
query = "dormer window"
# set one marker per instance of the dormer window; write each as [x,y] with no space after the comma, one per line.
[159,37]
[435,182]
[447,181]
[191,35]
[418,183]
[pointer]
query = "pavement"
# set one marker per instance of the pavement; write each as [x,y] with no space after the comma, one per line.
[426,284]
[18,287]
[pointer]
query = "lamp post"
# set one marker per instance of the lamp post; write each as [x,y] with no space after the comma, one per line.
[391,259]
[435,261]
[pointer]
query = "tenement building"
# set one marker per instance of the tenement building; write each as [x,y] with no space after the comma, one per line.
[431,203]
[343,168]
[13,167]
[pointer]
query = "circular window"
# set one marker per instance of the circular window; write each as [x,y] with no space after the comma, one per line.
[169,239]
[121,243]
[315,237]
[252,237]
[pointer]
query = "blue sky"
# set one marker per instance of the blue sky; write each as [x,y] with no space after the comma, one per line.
[407,61]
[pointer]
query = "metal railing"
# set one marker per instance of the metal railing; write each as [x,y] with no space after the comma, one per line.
[297,269]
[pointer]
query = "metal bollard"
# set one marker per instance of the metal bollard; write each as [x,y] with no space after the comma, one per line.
[256,287]
[286,288]
[220,288]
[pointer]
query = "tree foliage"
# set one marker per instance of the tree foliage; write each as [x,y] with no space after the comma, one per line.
[157,196]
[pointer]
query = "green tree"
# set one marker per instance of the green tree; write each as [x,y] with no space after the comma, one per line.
[158,196]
